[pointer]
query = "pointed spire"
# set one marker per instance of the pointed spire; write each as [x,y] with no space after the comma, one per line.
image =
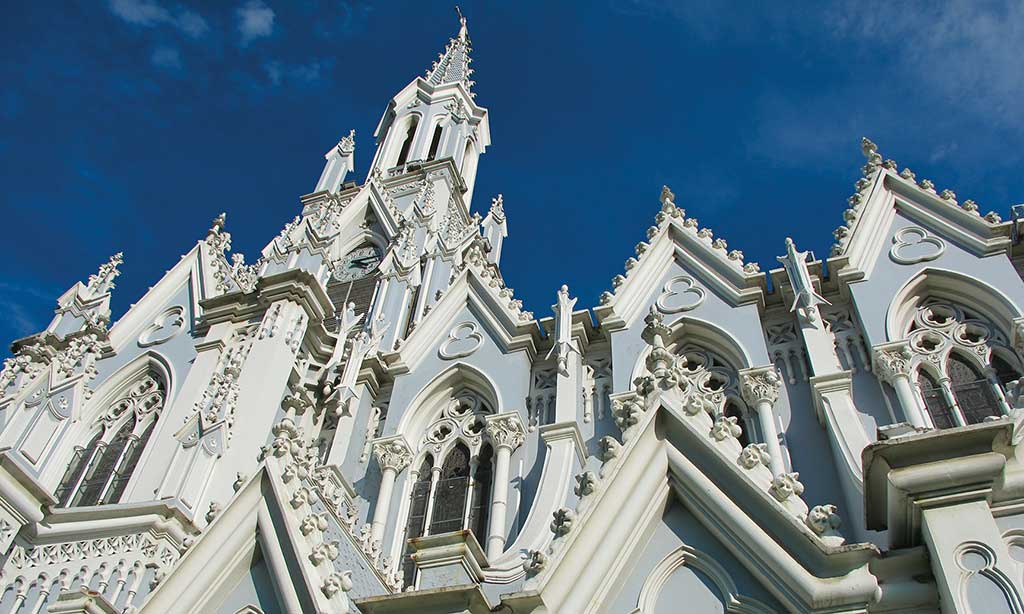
[452,66]
[495,228]
[103,281]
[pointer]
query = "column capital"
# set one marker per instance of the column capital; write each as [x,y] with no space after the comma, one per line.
[891,361]
[392,452]
[506,430]
[760,385]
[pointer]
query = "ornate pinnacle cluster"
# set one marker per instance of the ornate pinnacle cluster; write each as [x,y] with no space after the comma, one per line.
[876,163]
[347,144]
[452,66]
[103,281]
[498,208]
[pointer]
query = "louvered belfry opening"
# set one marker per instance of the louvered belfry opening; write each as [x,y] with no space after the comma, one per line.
[341,293]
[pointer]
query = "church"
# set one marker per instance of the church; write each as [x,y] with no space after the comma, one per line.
[365,419]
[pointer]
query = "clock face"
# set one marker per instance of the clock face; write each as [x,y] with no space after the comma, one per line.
[359,263]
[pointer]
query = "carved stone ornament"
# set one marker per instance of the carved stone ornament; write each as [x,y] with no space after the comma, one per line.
[786,485]
[562,522]
[535,561]
[680,293]
[913,244]
[463,339]
[586,484]
[725,427]
[892,360]
[165,327]
[760,385]
[608,448]
[506,430]
[823,519]
[754,454]
[392,453]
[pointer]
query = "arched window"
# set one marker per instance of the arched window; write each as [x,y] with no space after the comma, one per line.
[452,490]
[99,472]
[952,338]
[714,383]
[410,136]
[972,391]
[480,504]
[732,410]
[435,142]
[417,522]
[935,402]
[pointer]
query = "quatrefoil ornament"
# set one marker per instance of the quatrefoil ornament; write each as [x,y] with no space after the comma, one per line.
[913,244]
[680,294]
[164,327]
[464,339]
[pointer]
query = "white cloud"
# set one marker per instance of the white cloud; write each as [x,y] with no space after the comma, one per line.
[966,54]
[255,20]
[297,74]
[166,57]
[149,14]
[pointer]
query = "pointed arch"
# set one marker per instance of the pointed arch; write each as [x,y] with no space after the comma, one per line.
[425,406]
[700,332]
[117,423]
[958,288]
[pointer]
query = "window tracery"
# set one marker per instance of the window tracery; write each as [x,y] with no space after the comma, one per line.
[99,472]
[452,489]
[715,385]
[964,363]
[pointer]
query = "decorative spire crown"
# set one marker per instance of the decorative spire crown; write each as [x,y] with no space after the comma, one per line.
[452,66]
[103,280]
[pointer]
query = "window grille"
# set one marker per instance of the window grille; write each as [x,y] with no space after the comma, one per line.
[972,391]
[935,402]
[417,517]
[450,494]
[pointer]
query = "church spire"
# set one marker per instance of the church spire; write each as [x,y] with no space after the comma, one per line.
[452,66]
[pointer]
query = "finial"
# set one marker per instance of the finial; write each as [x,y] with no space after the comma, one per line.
[103,280]
[218,223]
[498,205]
[667,196]
[463,31]
[867,147]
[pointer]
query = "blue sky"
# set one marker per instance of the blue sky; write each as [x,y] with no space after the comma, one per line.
[129,124]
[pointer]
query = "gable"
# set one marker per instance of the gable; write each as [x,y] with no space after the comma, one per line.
[253,593]
[681,562]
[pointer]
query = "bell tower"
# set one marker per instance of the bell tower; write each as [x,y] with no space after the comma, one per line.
[435,118]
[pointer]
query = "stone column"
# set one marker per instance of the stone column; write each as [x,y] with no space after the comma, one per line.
[760,388]
[892,365]
[506,433]
[393,455]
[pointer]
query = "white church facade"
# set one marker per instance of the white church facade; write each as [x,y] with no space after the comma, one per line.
[366,420]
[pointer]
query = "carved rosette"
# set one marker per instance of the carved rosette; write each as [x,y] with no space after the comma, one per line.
[392,453]
[506,430]
[892,360]
[760,385]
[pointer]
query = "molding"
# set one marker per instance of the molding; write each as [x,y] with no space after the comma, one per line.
[551,433]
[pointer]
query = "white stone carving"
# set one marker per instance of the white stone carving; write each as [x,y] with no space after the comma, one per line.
[463,339]
[165,327]
[681,293]
[912,245]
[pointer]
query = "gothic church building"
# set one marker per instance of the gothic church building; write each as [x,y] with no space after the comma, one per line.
[366,420]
